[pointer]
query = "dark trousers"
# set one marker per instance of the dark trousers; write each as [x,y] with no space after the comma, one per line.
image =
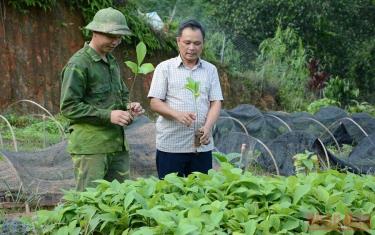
[182,163]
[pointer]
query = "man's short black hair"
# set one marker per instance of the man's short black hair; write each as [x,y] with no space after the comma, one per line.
[193,24]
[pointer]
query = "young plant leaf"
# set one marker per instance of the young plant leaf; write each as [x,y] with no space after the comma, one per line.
[220,157]
[301,191]
[193,86]
[141,52]
[146,68]
[290,223]
[133,66]
[250,227]
[321,194]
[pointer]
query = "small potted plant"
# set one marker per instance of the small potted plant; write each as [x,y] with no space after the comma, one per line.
[193,87]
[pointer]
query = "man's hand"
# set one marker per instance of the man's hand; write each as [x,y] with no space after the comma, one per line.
[205,138]
[185,118]
[120,117]
[136,109]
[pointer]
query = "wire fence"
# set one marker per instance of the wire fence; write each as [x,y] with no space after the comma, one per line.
[220,47]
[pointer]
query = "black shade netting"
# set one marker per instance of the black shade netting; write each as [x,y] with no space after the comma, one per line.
[244,148]
[285,147]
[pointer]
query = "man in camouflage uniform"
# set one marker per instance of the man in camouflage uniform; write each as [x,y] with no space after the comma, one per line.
[95,100]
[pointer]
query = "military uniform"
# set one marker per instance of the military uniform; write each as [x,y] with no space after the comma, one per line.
[91,89]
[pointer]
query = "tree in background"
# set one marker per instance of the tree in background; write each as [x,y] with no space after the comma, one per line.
[336,32]
[362,68]
[282,62]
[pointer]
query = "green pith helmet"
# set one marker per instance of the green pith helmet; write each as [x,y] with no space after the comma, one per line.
[109,20]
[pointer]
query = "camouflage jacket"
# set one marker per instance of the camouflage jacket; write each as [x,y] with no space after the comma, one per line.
[91,89]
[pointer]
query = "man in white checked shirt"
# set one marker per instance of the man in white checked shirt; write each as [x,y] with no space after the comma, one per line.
[176,151]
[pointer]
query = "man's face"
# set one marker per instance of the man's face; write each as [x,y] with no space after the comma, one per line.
[106,42]
[190,45]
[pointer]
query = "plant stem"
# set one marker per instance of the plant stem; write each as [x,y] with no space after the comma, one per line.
[131,94]
[196,114]
[131,89]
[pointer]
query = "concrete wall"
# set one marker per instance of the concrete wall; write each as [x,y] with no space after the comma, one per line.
[34,46]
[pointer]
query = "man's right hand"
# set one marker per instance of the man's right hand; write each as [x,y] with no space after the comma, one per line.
[186,118]
[120,117]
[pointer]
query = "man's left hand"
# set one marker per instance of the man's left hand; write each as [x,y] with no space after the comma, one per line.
[206,133]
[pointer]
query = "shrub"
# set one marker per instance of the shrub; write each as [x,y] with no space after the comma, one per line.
[282,61]
[362,70]
[341,90]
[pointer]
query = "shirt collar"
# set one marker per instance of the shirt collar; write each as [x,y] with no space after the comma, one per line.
[93,54]
[178,62]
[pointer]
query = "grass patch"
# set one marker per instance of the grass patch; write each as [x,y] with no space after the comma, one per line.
[31,132]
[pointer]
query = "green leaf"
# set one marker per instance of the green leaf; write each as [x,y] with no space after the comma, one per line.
[240,214]
[232,156]
[103,182]
[88,210]
[71,196]
[141,52]
[308,163]
[129,198]
[105,222]
[73,230]
[174,180]
[372,222]
[194,213]
[265,226]
[334,198]
[301,191]
[220,157]
[290,223]
[216,218]
[161,217]
[322,194]
[110,209]
[342,208]
[133,66]
[125,232]
[146,68]
[347,231]
[368,207]
[369,184]
[94,223]
[144,231]
[185,228]
[193,87]
[250,227]
[44,215]
[274,222]
[62,230]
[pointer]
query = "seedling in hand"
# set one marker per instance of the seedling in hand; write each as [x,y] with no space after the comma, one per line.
[138,68]
[193,87]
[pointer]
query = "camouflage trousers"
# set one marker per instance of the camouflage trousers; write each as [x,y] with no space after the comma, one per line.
[108,166]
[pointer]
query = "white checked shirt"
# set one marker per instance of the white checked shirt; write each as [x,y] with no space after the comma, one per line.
[168,84]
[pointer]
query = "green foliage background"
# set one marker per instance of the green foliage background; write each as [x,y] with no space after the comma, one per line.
[339,33]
